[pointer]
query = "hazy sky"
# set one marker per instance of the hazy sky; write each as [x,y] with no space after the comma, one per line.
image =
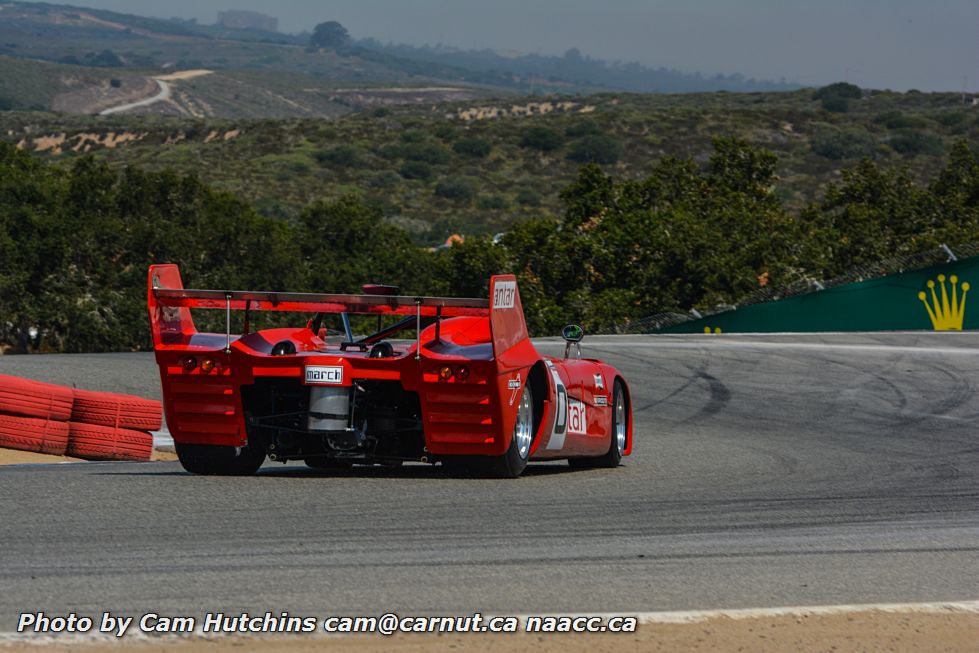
[896,44]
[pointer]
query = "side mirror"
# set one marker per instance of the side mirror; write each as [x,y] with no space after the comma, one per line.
[572,335]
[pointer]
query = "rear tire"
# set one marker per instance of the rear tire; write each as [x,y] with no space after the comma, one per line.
[619,432]
[216,460]
[514,461]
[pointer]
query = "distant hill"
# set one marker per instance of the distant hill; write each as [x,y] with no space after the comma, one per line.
[81,36]
[575,70]
[262,73]
[207,93]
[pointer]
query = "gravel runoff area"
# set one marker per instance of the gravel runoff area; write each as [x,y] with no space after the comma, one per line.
[934,629]
[17,457]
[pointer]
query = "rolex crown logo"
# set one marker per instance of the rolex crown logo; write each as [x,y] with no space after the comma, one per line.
[946,314]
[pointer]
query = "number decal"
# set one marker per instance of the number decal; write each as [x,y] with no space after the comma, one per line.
[560,410]
[577,419]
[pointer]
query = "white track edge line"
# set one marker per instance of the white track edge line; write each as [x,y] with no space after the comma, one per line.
[661,617]
[690,616]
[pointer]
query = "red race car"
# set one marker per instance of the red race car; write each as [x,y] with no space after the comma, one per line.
[467,388]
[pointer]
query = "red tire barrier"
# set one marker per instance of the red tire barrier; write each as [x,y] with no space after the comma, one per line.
[35,399]
[30,434]
[116,410]
[94,442]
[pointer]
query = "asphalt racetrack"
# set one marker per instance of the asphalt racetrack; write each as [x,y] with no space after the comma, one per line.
[768,471]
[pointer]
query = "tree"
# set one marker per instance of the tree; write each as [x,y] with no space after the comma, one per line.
[597,148]
[330,35]
[839,89]
[346,244]
[874,214]
[836,97]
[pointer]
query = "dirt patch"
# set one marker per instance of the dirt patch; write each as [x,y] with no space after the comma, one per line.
[58,143]
[519,110]
[17,457]
[841,633]
[183,74]
[53,143]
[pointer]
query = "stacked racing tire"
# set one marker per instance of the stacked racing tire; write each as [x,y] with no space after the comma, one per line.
[111,426]
[34,415]
[57,420]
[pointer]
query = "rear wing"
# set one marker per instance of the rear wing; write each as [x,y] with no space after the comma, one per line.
[169,306]
[170,303]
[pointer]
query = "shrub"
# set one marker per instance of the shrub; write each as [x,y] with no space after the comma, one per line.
[836,104]
[850,143]
[528,197]
[475,147]
[416,170]
[492,202]
[595,149]
[583,127]
[898,120]
[455,189]
[952,118]
[431,153]
[445,132]
[390,152]
[544,139]
[341,155]
[384,179]
[910,142]
[115,83]
[413,136]
[105,59]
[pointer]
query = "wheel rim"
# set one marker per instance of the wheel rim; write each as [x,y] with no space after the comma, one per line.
[620,423]
[523,431]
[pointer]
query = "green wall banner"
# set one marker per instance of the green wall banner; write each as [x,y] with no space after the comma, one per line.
[935,298]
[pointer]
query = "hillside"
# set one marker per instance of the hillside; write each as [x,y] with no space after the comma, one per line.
[248,63]
[205,93]
[258,73]
[84,61]
[476,167]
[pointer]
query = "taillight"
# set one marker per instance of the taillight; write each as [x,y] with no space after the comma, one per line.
[207,365]
[189,363]
[462,372]
[445,372]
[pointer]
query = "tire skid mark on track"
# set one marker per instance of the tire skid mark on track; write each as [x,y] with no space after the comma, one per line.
[697,373]
[719,398]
